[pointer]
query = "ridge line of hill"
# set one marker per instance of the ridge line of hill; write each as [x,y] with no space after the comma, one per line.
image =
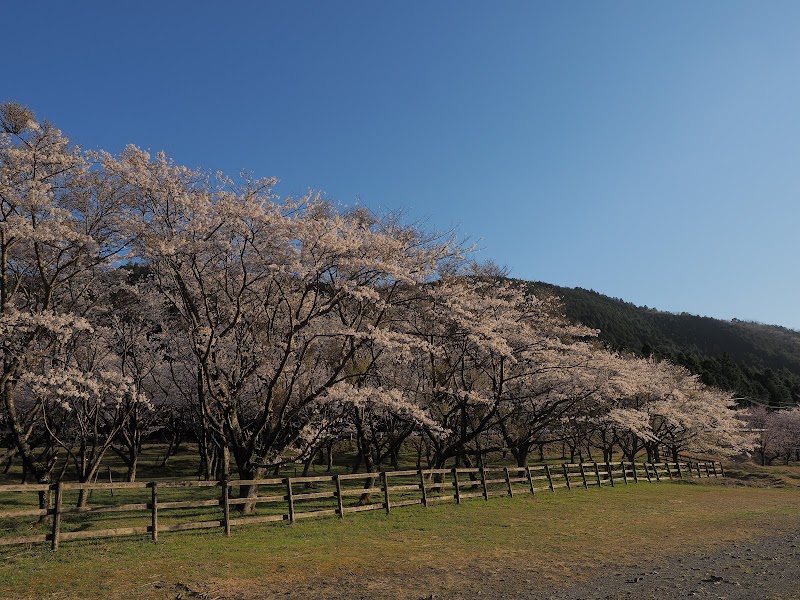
[752,360]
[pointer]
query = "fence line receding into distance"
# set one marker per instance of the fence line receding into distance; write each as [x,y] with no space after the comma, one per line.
[287,498]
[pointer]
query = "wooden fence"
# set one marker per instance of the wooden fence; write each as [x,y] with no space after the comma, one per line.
[289,500]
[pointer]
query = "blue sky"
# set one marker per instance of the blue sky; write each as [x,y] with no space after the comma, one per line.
[649,151]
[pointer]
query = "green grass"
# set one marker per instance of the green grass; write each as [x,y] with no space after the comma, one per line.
[413,551]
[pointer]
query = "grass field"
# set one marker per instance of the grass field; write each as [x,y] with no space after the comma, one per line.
[414,552]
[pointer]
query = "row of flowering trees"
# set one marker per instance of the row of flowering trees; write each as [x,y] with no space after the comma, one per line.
[269,328]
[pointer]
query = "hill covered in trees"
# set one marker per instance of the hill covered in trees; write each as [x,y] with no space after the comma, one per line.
[754,361]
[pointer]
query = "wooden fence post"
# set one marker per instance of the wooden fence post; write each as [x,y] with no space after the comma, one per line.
[339,497]
[530,480]
[455,484]
[597,473]
[669,471]
[583,476]
[624,472]
[154,510]
[483,483]
[549,478]
[226,507]
[647,472]
[721,469]
[422,487]
[290,496]
[655,470]
[610,472]
[566,476]
[678,466]
[508,483]
[635,474]
[386,491]
[57,517]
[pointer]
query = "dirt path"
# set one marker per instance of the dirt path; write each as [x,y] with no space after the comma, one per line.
[766,568]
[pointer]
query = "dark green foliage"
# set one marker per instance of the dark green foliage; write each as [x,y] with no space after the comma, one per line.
[752,360]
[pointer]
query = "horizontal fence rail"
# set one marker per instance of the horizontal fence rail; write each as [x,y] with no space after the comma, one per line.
[293,498]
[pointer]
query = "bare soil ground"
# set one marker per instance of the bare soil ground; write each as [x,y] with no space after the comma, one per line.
[766,568]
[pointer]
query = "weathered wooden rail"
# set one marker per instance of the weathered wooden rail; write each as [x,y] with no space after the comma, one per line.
[393,489]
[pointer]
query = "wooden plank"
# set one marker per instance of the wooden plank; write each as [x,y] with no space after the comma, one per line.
[339,497]
[258,499]
[350,509]
[497,493]
[154,512]
[405,488]
[274,481]
[312,495]
[409,502]
[490,481]
[226,507]
[468,470]
[530,481]
[400,473]
[472,495]
[359,476]
[24,539]
[290,499]
[26,487]
[56,532]
[106,509]
[361,491]
[187,504]
[583,475]
[385,483]
[31,512]
[316,513]
[261,519]
[538,477]
[312,479]
[560,485]
[122,485]
[441,498]
[194,525]
[87,535]
[519,480]
[436,471]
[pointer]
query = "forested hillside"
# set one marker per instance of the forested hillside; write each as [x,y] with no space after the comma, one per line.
[755,361]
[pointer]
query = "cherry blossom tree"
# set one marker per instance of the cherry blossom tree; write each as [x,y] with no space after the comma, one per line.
[60,229]
[275,298]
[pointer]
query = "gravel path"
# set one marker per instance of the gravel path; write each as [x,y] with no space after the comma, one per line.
[766,568]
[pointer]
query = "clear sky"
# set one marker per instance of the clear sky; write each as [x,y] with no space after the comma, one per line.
[649,151]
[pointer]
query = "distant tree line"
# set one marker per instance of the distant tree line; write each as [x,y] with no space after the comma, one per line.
[753,361]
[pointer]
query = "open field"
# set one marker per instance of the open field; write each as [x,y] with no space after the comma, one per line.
[504,548]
